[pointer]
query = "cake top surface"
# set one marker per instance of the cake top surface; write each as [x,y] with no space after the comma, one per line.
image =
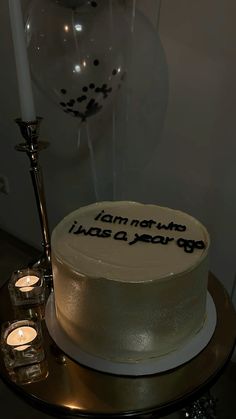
[129,241]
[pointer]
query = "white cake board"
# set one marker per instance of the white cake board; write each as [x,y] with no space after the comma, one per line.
[147,367]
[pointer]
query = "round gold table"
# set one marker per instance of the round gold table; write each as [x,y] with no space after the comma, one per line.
[69,389]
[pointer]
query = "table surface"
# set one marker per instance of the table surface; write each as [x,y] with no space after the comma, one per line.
[74,390]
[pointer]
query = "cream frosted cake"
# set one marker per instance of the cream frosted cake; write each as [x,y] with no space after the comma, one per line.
[130,279]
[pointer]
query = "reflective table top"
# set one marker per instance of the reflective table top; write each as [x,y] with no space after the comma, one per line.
[64,387]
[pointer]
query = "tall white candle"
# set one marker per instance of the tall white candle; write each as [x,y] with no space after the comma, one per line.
[22,64]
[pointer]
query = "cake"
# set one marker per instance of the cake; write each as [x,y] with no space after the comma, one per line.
[130,279]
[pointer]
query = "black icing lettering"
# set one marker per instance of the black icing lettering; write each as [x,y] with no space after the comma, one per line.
[121,235]
[106,233]
[72,227]
[174,226]
[179,227]
[171,226]
[157,239]
[200,244]
[146,238]
[190,245]
[81,230]
[135,240]
[147,223]
[151,222]
[181,242]
[161,226]
[120,220]
[167,240]
[99,215]
[162,239]
[144,223]
[107,218]
[94,231]
[142,238]
[135,223]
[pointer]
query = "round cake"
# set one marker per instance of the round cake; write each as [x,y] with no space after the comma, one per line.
[130,279]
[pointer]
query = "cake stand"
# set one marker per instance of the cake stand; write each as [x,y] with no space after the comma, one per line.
[69,389]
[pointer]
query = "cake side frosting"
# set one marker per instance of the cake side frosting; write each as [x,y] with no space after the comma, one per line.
[127,322]
[129,302]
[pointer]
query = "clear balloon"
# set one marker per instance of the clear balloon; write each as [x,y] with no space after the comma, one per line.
[132,140]
[77,51]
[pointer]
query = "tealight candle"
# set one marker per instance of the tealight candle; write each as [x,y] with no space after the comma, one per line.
[27,287]
[20,336]
[25,283]
[21,343]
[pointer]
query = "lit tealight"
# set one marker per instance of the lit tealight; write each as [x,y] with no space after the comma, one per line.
[27,281]
[21,336]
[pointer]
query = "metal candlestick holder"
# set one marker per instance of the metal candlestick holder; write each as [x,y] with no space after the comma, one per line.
[32,147]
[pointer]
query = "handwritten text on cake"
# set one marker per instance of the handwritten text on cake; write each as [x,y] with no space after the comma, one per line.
[188,245]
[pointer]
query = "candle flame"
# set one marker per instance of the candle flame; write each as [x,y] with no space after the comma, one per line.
[21,334]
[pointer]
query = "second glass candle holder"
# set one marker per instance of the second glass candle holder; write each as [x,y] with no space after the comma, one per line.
[27,287]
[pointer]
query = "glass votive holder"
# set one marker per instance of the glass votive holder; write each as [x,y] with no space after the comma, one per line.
[34,312]
[30,373]
[21,343]
[27,287]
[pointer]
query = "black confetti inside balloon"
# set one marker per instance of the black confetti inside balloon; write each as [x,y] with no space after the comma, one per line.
[77,56]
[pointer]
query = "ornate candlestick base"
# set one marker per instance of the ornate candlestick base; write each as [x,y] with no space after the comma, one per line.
[32,147]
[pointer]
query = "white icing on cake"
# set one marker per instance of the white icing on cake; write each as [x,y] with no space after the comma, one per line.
[127,302]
